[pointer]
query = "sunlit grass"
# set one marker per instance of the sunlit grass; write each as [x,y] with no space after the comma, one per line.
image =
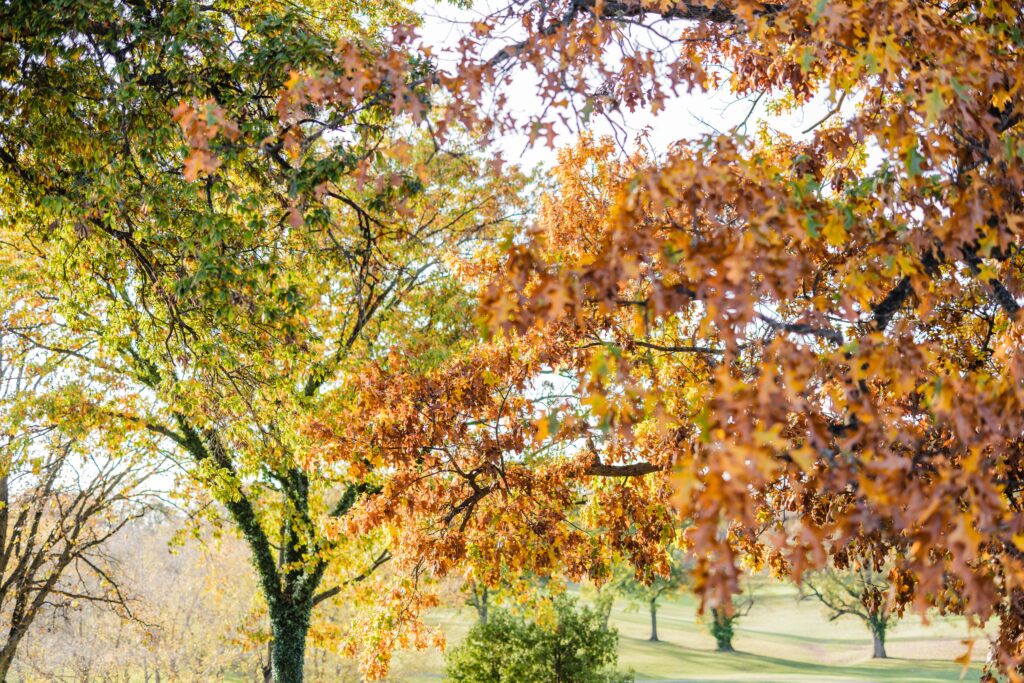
[780,641]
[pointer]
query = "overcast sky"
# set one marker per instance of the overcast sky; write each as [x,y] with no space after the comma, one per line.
[686,116]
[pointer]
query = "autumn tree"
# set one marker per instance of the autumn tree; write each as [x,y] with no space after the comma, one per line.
[824,326]
[494,472]
[211,243]
[66,492]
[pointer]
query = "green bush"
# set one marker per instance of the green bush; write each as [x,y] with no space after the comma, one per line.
[578,648]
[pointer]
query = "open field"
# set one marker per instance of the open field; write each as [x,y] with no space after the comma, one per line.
[780,641]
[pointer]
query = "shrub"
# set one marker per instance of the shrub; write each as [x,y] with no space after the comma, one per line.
[577,648]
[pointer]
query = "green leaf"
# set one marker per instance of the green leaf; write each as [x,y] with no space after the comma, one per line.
[913,162]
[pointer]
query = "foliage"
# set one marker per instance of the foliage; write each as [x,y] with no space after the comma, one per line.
[721,625]
[207,276]
[571,644]
[822,330]
[801,345]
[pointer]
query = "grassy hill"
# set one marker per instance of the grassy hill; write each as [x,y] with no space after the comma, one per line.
[780,641]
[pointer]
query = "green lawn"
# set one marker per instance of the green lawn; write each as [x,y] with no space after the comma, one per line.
[780,641]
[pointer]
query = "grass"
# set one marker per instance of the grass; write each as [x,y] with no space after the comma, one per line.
[780,641]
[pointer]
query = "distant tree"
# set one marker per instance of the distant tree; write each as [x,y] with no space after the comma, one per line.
[862,590]
[478,596]
[197,617]
[63,496]
[604,598]
[661,586]
[59,507]
[191,606]
[576,647]
[723,621]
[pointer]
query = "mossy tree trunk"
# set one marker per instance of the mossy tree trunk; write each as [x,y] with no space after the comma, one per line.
[289,626]
[289,582]
[722,629]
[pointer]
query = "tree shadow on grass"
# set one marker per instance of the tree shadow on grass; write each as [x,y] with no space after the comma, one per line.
[666,661]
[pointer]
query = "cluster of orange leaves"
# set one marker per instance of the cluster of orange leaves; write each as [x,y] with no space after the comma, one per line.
[200,124]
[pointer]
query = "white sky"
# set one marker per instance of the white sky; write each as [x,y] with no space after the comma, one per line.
[685,116]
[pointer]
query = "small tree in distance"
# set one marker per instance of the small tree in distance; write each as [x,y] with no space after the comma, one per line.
[478,596]
[723,621]
[650,595]
[863,591]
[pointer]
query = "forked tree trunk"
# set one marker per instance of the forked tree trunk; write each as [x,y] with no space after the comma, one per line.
[482,607]
[654,621]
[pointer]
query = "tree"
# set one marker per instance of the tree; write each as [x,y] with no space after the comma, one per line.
[190,605]
[826,322]
[52,534]
[576,646]
[188,229]
[661,587]
[722,623]
[64,496]
[863,590]
[603,600]
[478,596]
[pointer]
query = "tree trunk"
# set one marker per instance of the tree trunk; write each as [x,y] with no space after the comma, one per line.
[606,608]
[721,629]
[8,650]
[289,625]
[723,640]
[6,659]
[878,638]
[483,606]
[654,621]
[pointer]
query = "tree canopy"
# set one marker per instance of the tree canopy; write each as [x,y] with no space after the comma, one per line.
[208,296]
[261,231]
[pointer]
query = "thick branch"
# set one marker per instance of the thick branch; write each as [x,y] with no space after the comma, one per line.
[826,333]
[599,469]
